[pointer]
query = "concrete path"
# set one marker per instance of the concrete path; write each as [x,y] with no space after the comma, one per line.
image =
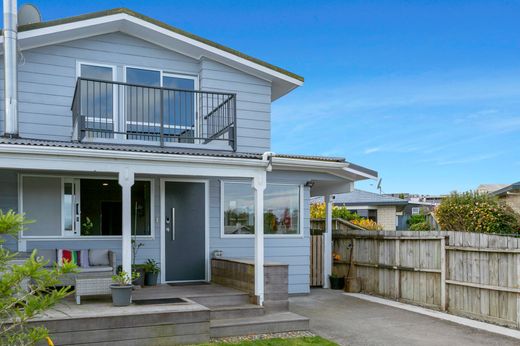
[352,321]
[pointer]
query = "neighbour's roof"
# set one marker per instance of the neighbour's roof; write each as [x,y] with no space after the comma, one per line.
[489,188]
[162,150]
[360,197]
[506,189]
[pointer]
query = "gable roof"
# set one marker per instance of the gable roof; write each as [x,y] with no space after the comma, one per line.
[360,197]
[489,188]
[157,32]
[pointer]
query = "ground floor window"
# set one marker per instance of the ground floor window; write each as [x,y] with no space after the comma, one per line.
[101,207]
[281,209]
[239,208]
[68,207]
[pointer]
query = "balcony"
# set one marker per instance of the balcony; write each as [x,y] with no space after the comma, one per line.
[116,112]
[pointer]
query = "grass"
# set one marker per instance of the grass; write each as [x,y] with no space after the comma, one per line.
[303,341]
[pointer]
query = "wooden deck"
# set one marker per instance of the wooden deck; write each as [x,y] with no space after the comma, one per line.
[209,310]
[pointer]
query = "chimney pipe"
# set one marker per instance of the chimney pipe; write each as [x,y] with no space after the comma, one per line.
[10,69]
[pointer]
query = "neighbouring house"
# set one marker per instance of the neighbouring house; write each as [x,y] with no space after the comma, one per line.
[489,188]
[117,126]
[414,208]
[377,207]
[510,194]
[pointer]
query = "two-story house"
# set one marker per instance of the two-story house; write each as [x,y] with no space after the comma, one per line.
[115,125]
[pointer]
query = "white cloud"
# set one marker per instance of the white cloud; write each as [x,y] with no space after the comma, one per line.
[371,150]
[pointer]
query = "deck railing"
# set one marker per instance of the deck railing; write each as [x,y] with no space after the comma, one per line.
[106,111]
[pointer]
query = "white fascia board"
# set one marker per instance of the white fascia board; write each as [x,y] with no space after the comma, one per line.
[123,22]
[340,169]
[361,174]
[333,168]
[72,159]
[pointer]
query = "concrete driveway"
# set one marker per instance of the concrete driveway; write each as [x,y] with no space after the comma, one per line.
[352,321]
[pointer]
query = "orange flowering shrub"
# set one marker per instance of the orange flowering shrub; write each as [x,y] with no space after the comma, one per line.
[367,224]
[318,212]
[473,212]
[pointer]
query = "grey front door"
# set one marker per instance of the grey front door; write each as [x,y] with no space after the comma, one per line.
[184,236]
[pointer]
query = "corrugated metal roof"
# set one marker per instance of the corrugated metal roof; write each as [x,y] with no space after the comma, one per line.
[130,148]
[156,149]
[312,157]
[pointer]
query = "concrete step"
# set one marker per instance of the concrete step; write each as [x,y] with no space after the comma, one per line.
[270,323]
[236,311]
[222,299]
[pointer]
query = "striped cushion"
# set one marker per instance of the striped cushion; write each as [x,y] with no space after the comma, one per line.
[72,256]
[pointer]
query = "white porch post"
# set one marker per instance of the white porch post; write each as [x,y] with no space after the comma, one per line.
[126,180]
[259,184]
[327,241]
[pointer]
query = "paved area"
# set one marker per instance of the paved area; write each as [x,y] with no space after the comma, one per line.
[352,321]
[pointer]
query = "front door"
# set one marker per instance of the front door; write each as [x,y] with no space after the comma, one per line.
[184,231]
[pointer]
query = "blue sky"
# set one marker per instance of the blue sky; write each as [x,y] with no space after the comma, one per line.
[425,92]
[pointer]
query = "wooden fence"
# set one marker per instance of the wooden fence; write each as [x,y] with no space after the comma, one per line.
[316,260]
[468,274]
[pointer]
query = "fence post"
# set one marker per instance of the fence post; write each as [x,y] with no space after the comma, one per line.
[443,274]
[397,273]
[517,262]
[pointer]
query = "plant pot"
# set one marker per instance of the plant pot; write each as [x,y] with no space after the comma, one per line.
[140,280]
[150,279]
[337,283]
[121,295]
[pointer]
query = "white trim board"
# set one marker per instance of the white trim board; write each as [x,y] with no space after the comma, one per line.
[488,327]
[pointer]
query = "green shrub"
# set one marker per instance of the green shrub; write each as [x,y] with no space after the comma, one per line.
[420,226]
[416,219]
[473,212]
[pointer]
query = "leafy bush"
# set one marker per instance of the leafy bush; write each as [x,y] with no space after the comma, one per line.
[418,223]
[474,212]
[416,219]
[420,226]
[318,212]
[26,289]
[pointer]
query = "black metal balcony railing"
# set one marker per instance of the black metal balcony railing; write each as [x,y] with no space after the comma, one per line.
[115,111]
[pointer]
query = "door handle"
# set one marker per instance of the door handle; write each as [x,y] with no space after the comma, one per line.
[173,224]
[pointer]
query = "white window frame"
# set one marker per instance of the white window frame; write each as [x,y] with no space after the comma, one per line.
[115,121]
[78,235]
[162,74]
[416,210]
[76,216]
[301,228]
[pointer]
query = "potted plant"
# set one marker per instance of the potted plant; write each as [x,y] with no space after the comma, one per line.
[138,268]
[151,272]
[337,282]
[122,288]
